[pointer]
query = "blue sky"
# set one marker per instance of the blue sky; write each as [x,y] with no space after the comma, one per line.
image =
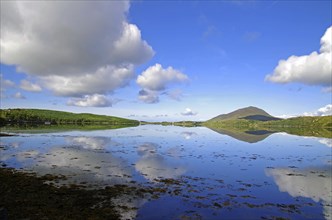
[167,60]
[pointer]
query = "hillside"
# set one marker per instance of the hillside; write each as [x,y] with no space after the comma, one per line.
[303,121]
[249,113]
[253,118]
[41,116]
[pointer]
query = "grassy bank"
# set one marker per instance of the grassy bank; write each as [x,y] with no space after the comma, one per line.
[303,126]
[41,116]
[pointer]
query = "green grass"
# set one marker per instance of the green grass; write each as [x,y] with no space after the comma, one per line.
[41,116]
[318,126]
[34,129]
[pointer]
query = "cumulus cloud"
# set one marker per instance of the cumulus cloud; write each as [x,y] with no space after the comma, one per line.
[148,96]
[29,86]
[175,94]
[95,100]
[18,95]
[155,80]
[104,80]
[4,85]
[188,112]
[323,111]
[312,69]
[71,53]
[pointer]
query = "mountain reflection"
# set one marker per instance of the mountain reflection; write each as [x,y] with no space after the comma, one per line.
[153,165]
[314,184]
[249,136]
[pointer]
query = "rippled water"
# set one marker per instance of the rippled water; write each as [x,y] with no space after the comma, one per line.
[214,176]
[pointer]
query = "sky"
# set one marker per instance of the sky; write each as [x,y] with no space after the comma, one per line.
[167,60]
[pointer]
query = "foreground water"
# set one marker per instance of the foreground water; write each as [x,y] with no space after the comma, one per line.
[208,175]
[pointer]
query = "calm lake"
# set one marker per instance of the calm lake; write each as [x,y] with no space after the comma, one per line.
[203,174]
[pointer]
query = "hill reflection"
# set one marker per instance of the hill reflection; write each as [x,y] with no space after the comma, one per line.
[250,136]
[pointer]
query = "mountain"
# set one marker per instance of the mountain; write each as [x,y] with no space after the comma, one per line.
[249,113]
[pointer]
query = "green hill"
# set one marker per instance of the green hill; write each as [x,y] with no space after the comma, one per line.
[252,118]
[41,116]
[249,113]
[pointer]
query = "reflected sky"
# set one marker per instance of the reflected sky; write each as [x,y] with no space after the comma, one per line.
[314,183]
[154,166]
[325,141]
[217,168]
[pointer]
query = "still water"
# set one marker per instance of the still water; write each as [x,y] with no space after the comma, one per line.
[209,175]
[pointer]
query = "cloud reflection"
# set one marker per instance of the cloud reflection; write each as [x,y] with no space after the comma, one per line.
[153,165]
[82,164]
[188,135]
[92,143]
[326,141]
[85,166]
[313,183]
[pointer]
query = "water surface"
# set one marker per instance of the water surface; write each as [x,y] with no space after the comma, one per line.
[203,174]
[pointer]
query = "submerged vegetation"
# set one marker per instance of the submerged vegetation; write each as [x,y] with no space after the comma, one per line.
[25,196]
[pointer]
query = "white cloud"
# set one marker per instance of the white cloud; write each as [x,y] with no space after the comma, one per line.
[29,86]
[74,48]
[286,116]
[4,85]
[148,96]
[18,95]
[130,46]
[188,112]
[156,78]
[323,111]
[95,100]
[312,69]
[175,94]
[327,89]
[104,80]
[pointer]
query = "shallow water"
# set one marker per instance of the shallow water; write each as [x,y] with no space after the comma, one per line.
[208,175]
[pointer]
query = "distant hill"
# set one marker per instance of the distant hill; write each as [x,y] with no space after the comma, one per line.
[43,116]
[237,124]
[249,113]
